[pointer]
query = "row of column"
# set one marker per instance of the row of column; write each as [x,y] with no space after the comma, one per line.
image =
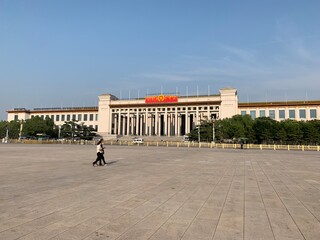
[159,124]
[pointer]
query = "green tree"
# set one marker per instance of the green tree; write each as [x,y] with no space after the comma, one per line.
[239,127]
[71,130]
[3,128]
[281,133]
[36,125]
[293,131]
[264,129]
[86,133]
[13,129]
[311,132]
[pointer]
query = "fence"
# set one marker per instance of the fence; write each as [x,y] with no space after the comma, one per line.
[218,145]
[180,144]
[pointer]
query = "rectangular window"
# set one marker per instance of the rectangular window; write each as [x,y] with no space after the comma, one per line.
[42,116]
[47,116]
[52,117]
[282,114]
[62,117]
[243,113]
[16,118]
[96,117]
[85,117]
[96,128]
[253,114]
[57,118]
[68,117]
[73,117]
[79,117]
[91,117]
[313,113]
[272,114]
[292,114]
[262,113]
[302,113]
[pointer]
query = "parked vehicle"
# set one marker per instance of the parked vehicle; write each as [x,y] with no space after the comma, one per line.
[138,140]
[185,138]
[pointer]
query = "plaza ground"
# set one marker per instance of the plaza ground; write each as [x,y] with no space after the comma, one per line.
[53,192]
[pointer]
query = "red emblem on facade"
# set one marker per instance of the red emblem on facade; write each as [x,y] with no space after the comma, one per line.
[161,99]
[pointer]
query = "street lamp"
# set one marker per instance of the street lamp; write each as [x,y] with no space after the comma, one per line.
[7,135]
[21,128]
[213,132]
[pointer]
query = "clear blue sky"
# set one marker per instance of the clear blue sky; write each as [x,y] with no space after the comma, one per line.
[66,53]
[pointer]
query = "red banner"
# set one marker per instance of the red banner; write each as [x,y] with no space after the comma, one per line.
[161,99]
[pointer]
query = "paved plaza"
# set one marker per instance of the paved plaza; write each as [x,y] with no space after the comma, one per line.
[163,193]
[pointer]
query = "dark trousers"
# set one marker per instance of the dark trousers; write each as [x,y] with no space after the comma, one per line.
[100,158]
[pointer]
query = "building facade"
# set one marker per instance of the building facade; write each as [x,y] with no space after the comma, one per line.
[163,115]
[86,115]
[295,110]
[167,115]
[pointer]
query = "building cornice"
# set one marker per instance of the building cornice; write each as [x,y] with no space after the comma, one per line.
[54,110]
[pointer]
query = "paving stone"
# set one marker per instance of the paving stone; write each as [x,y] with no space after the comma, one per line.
[53,192]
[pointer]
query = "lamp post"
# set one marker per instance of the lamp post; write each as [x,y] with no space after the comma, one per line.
[59,131]
[213,133]
[7,135]
[21,128]
[199,134]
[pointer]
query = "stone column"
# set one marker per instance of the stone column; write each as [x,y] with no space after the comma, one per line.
[123,125]
[150,124]
[119,123]
[187,121]
[141,125]
[197,117]
[134,124]
[115,116]
[169,124]
[159,124]
[137,122]
[165,118]
[179,124]
[176,129]
[146,122]
[128,122]
[156,122]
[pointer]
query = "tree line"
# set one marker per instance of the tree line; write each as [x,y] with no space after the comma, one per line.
[236,129]
[36,126]
[263,130]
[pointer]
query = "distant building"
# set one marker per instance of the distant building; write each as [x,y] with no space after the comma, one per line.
[295,110]
[167,115]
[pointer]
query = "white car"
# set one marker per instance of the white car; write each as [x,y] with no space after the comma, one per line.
[138,140]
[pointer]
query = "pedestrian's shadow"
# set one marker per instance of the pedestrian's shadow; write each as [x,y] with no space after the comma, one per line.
[112,162]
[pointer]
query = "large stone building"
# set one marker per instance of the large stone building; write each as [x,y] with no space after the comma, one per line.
[167,115]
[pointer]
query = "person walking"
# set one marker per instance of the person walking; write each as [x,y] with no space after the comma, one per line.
[100,154]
